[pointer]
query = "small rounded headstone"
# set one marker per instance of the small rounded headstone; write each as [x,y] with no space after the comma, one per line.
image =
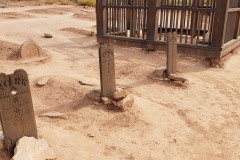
[30,49]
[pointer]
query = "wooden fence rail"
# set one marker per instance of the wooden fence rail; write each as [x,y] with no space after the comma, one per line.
[208,28]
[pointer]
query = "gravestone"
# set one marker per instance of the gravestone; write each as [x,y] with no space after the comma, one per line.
[107,71]
[171,53]
[30,49]
[16,108]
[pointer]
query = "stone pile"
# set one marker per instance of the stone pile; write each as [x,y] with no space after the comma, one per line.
[120,99]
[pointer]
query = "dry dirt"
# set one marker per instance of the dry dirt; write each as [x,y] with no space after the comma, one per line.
[167,122]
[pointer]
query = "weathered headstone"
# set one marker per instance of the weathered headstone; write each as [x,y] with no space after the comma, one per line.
[16,108]
[107,71]
[171,53]
[30,49]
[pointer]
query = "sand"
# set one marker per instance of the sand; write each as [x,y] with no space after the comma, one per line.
[167,122]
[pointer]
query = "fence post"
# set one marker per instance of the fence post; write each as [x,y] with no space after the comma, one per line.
[101,13]
[152,22]
[237,25]
[220,22]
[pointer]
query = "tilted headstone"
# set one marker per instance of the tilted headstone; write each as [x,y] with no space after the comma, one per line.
[171,53]
[30,49]
[107,71]
[16,108]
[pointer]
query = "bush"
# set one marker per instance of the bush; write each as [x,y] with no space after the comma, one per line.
[50,1]
[91,3]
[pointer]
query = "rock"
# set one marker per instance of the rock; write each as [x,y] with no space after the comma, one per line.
[119,94]
[106,101]
[55,114]
[160,72]
[95,95]
[181,84]
[29,148]
[86,84]
[30,49]
[43,81]
[126,102]
[47,35]
[175,77]
[2,144]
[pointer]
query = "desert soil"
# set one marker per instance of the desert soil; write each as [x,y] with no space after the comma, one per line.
[167,122]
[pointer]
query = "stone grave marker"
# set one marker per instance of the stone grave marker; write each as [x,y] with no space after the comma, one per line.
[172,53]
[107,71]
[16,108]
[30,49]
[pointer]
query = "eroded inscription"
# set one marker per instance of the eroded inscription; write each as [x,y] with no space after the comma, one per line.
[16,108]
[107,71]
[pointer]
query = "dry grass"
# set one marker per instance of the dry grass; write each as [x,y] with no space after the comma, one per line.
[91,3]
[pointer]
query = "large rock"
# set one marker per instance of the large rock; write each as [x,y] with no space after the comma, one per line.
[29,148]
[30,49]
[119,94]
[125,103]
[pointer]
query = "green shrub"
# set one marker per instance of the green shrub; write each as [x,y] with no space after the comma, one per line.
[50,1]
[87,2]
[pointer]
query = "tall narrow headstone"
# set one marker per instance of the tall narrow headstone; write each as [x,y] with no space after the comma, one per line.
[16,108]
[171,53]
[107,71]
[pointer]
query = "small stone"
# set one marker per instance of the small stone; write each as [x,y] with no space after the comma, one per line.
[126,102]
[55,114]
[181,84]
[160,72]
[47,35]
[176,77]
[29,148]
[90,135]
[106,101]
[95,95]
[115,103]
[43,81]
[119,94]
[30,49]
[2,144]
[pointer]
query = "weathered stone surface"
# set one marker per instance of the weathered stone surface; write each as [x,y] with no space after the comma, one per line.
[55,114]
[30,49]
[95,95]
[126,102]
[106,101]
[160,72]
[29,148]
[47,35]
[16,113]
[119,94]
[43,81]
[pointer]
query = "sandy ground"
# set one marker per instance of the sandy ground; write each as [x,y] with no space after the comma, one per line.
[167,122]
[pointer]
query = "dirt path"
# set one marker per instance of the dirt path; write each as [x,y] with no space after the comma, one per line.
[167,122]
